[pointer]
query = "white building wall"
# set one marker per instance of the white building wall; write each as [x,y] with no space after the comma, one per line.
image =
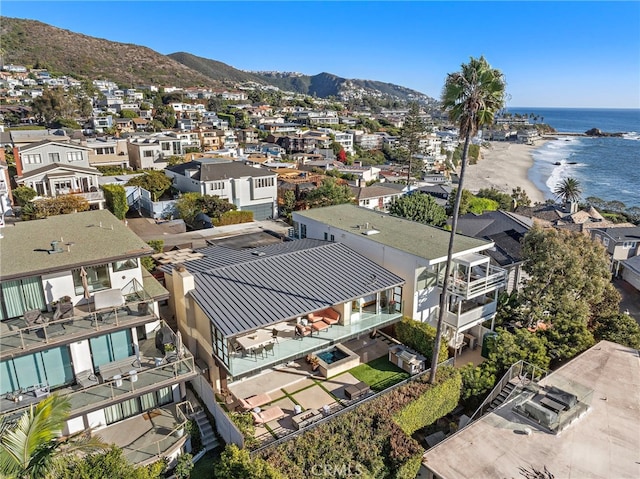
[81,356]
[96,419]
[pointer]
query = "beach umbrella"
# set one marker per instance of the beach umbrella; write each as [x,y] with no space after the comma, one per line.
[85,283]
[179,344]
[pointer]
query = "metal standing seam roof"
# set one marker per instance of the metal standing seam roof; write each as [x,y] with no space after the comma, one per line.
[269,289]
[89,237]
[418,239]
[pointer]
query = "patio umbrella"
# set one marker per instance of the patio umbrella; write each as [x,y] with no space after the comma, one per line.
[85,283]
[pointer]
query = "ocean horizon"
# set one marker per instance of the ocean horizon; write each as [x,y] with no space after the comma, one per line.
[606,167]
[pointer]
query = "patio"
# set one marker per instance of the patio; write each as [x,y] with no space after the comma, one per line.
[297,385]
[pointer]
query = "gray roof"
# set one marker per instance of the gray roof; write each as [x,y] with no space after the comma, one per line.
[421,240]
[375,191]
[491,223]
[62,167]
[623,233]
[24,246]
[292,279]
[219,171]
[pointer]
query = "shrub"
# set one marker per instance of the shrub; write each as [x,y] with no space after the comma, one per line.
[421,337]
[233,218]
[436,401]
[23,195]
[147,261]
[116,200]
[60,205]
[184,466]
[244,423]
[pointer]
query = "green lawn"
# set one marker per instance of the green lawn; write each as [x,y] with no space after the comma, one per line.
[203,469]
[379,373]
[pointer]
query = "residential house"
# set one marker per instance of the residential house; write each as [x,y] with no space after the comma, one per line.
[376,197]
[506,230]
[249,188]
[20,138]
[631,272]
[576,422]
[54,169]
[6,200]
[152,151]
[363,174]
[210,139]
[281,286]
[79,317]
[417,253]
[107,152]
[621,244]
[247,135]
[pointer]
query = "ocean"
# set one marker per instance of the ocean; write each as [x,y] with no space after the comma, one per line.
[607,168]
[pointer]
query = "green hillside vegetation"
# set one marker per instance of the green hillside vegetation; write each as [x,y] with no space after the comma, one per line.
[213,69]
[38,45]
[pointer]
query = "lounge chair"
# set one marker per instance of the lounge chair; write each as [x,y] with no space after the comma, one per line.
[319,326]
[328,315]
[254,401]
[302,331]
[268,415]
[33,318]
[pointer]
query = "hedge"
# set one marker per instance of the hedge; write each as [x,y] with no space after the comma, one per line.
[366,441]
[433,404]
[233,218]
[116,200]
[421,337]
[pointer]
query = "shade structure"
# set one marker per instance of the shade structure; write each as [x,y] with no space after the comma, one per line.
[85,283]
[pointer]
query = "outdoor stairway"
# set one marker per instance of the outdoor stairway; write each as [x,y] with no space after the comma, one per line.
[207,434]
[502,397]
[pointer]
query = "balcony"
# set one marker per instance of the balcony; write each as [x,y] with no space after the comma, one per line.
[469,313]
[149,376]
[16,337]
[92,196]
[288,348]
[473,276]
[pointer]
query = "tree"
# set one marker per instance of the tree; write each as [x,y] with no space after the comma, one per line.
[505,202]
[419,207]
[156,182]
[34,447]
[190,204]
[509,348]
[59,205]
[115,198]
[128,114]
[465,202]
[184,466]
[342,155]
[236,463]
[410,137]
[568,190]
[621,329]
[471,97]
[330,192]
[520,197]
[480,205]
[288,205]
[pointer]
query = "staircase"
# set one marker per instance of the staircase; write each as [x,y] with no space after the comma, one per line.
[502,397]
[207,434]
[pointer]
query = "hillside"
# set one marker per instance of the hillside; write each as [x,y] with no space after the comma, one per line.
[30,43]
[213,69]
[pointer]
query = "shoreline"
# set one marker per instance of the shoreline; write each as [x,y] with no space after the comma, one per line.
[504,166]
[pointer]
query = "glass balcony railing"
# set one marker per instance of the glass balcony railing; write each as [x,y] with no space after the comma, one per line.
[486,279]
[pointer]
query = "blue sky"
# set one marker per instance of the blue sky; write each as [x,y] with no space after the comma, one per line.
[553,54]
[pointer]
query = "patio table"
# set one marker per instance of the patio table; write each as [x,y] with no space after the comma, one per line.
[256,339]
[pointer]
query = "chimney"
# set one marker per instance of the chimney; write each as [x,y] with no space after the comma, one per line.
[571,207]
[16,156]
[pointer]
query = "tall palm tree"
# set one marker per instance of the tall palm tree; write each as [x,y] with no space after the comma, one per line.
[34,446]
[568,190]
[472,97]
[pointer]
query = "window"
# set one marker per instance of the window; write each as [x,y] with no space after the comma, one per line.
[130,263]
[54,157]
[629,244]
[52,366]
[97,279]
[217,185]
[21,295]
[326,236]
[333,238]
[135,406]
[263,182]
[74,156]
[303,231]
[220,345]
[605,241]
[166,146]
[148,153]
[32,159]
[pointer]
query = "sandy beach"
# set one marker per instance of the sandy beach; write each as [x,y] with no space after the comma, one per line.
[504,166]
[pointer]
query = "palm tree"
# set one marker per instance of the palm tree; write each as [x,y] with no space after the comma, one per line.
[568,190]
[472,97]
[33,448]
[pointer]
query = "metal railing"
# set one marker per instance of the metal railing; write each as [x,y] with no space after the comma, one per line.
[495,278]
[521,370]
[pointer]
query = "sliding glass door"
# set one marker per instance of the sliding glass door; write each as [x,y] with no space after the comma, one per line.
[21,295]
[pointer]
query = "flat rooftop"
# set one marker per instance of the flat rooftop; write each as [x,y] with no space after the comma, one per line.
[86,238]
[603,443]
[411,237]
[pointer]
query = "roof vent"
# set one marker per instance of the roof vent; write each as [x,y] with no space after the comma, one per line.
[258,253]
[55,248]
[370,232]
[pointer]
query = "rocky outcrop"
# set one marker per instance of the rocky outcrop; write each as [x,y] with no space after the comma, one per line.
[598,132]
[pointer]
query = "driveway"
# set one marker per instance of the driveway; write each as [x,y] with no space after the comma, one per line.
[630,298]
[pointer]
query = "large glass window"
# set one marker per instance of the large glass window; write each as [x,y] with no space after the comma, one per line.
[52,367]
[97,278]
[220,348]
[135,406]
[111,347]
[21,295]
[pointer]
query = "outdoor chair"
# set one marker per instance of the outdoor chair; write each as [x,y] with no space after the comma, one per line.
[33,318]
[302,331]
[269,348]
[259,350]
[274,334]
